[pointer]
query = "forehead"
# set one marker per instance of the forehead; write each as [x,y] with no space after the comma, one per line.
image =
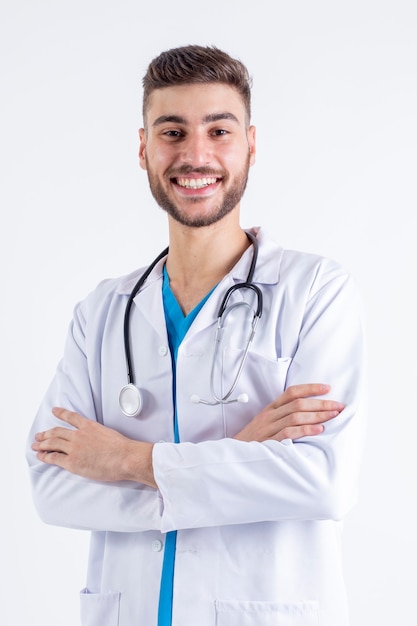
[195,103]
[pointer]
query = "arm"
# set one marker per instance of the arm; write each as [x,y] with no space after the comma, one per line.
[299,471]
[214,483]
[112,487]
[96,452]
[61,497]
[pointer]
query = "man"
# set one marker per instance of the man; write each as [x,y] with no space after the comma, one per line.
[221,502]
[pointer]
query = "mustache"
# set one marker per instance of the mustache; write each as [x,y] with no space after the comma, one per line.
[184,170]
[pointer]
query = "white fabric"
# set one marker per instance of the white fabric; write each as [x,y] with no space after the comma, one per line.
[258,523]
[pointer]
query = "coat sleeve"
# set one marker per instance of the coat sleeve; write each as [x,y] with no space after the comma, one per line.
[62,498]
[233,482]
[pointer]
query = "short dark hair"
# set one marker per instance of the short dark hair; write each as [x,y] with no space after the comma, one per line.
[196,64]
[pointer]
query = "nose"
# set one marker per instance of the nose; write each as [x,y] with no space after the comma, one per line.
[196,150]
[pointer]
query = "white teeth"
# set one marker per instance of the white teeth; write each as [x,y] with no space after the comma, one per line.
[195,183]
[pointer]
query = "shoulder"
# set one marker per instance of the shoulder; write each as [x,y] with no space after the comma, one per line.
[109,293]
[313,270]
[296,266]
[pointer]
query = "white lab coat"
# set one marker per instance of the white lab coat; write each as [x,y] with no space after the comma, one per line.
[258,524]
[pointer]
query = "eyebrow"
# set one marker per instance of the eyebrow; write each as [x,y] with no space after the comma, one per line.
[207,119]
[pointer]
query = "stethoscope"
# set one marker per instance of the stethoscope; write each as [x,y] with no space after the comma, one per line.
[130,397]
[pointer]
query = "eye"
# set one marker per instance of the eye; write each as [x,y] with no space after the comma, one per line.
[174,134]
[220,132]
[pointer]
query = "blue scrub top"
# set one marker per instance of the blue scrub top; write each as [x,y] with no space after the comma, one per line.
[177,326]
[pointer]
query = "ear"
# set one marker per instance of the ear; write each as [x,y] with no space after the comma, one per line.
[142,147]
[252,144]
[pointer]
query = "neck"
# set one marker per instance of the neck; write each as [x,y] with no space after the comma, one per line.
[200,257]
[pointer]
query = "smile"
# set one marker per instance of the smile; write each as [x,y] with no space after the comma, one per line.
[195,183]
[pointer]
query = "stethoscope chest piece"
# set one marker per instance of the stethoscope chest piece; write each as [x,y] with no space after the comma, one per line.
[130,400]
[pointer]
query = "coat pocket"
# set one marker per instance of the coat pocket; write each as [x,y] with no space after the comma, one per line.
[99,609]
[244,613]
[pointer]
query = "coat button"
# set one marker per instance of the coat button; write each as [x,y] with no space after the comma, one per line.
[157,545]
[163,350]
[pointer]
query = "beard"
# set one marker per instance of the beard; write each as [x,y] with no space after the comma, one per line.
[231,197]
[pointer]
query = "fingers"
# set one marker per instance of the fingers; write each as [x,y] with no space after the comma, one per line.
[70,417]
[296,424]
[297,432]
[295,414]
[57,440]
[304,412]
[52,458]
[54,440]
[301,391]
[310,417]
[298,413]
[301,398]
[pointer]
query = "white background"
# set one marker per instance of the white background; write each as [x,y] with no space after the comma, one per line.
[335,101]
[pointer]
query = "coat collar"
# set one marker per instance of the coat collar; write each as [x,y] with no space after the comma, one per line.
[149,299]
[267,267]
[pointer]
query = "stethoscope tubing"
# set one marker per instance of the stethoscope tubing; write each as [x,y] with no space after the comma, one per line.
[126,323]
[133,392]
[225,398]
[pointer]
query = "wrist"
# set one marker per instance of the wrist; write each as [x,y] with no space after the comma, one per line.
[138,463]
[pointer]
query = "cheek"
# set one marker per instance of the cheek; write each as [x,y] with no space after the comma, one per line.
[158,159]
[237,159]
